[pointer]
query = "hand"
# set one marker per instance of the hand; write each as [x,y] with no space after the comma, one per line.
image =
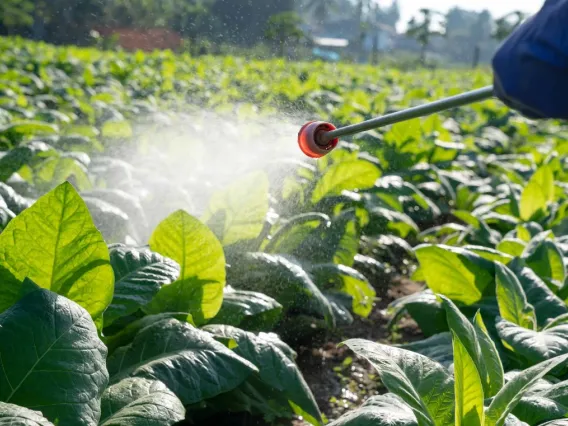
[531,67]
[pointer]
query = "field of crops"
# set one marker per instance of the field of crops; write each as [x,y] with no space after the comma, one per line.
[168,257]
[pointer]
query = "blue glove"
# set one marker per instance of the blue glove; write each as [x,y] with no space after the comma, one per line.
[531,67]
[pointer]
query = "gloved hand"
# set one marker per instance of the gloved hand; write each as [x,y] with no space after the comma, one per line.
[531,67]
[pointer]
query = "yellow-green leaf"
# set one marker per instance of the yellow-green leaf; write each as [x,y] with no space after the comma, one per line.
[538,193]
[468,388]
[56,244]
[199,289]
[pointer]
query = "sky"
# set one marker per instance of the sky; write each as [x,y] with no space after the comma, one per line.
[497,8]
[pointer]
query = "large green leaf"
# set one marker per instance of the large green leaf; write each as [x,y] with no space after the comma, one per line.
[424,308]
[189,361]
[284,280]
[382,410]
[139,274]
[534,346]
[462,329]
[56,245]
[459,274]
[294,231]
[238,212]
[11,414]
[22,155]
[468,387]
[345,175]
[513,305]
[199,289]
[510,395]
[544,405]
[248,310]
[140,402]
[538,193]
[489,355]
[52,358]
[437,347]
[546,260]
[426,386]
[276,370]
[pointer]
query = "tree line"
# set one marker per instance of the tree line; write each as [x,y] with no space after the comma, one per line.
[250,22]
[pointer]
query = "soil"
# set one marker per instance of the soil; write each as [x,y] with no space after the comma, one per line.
[341,382]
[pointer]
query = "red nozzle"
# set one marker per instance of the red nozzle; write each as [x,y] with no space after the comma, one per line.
[309,139]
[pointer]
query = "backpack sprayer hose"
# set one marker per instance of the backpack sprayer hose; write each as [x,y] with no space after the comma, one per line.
[318,138]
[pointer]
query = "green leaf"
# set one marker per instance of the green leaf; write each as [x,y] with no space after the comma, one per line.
[294,231]
[116,129]
[381,410]
[423,384]
[468,387]
[465,332]
[20,156]
[51,359]
[248,310]
[438,348]
[19,130]
[456,273]
[534,346]
[332,277]
[140,402]
[345,175]
[510,395]
[546,304]
[544,404]
[513,305]
[513,246]
[546,261]
[238,212]
[489,355]
[538,193]
[199,289]
[11,414]
[125,335]
[188,361]
[276,370]
[284,280]
[56,245]
[424,308]
[139,274]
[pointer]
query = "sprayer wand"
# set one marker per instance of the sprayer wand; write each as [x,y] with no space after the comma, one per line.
[318,138]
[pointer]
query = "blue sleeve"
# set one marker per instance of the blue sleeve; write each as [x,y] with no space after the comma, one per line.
[531,66]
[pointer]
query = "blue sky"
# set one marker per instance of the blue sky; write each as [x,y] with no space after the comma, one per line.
[496,7]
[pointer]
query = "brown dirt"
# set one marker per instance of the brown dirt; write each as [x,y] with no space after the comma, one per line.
[341,382]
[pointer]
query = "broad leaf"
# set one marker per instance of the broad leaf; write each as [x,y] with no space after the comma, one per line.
[140,402]
[248,310]
[199,289]
[468,387]
[463,330]
[510,395]
[345,175]
[276,370]
[538,193]
[424,308]
[513,305]
[534,346]
[56,245]
[238,212]
[284,280]
[423,384]
[139,274]
[438,348]
[489,355]
[294,231]
[11,414]
[544,405]
[52,359]
[547,262]
[189,361]
[459,274]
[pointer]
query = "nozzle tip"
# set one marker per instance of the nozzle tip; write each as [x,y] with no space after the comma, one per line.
[309,139]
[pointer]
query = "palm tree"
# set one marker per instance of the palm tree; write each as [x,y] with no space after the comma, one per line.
[422,31]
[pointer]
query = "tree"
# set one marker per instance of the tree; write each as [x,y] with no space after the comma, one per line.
[423,30]
[283,29]
[505,25]
[14,13]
